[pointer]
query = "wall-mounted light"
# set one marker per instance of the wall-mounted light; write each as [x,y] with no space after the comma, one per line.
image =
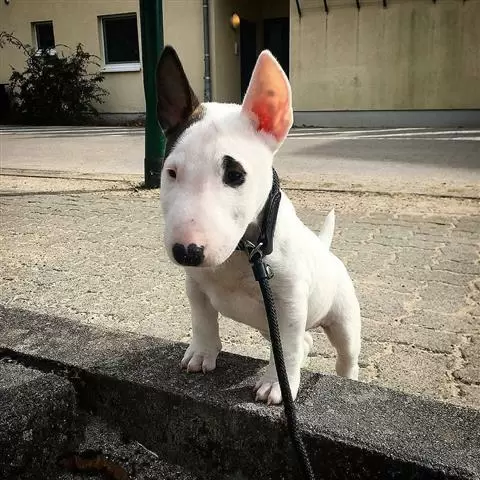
[235,21]
[6,2]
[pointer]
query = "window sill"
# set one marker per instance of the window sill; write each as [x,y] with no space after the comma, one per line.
[122,67]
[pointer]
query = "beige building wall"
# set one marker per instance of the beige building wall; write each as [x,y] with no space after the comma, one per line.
[76,21]
[412,55]
[415,54]
[225,46]
[225,55]
[183,30]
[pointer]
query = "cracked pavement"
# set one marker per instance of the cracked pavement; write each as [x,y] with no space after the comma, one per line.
[92,252]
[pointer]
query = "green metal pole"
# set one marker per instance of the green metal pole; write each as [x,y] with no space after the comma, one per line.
[151,24]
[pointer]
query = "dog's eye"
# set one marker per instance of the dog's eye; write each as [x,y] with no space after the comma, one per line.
[172,173]
[234,174]
[234,178]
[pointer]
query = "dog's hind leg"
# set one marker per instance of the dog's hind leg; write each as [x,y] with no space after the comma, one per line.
[343,328]
[308,343]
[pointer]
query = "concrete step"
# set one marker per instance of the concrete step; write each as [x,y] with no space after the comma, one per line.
[40,423]
[39,419]
[132,458]
[210,424]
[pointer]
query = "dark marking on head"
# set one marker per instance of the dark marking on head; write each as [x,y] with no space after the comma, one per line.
[173,136]
[233,172]
[176,100]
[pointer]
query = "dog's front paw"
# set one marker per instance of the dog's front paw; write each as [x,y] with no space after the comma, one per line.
[268,389]
[200,358]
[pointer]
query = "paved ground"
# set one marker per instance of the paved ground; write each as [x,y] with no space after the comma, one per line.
[97,257]
[91,250]
[407,160]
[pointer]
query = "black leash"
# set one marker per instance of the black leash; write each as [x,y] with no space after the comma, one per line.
[262,272]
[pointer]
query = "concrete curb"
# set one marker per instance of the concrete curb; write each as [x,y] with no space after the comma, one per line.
[39,420]
[66,175]
[210,424]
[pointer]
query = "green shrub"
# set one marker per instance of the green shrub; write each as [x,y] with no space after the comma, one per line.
[54,89]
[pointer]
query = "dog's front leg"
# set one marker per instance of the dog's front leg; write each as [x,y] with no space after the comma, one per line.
[292,317]
[201,355]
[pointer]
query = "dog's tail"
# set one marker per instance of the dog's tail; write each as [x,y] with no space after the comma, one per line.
[326,234]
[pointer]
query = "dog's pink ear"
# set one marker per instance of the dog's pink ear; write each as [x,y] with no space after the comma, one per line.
[268,100]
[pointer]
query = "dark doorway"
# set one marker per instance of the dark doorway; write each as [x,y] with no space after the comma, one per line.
[248,52]
[276,35]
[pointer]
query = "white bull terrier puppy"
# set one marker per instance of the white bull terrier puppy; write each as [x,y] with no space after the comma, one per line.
[215,181]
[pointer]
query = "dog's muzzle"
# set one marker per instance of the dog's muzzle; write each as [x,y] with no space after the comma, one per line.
[191,256]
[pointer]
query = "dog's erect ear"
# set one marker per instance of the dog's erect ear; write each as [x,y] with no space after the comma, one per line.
[268,100]
[175,98]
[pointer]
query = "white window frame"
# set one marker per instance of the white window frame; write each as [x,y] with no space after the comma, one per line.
[39,51]
[124,66]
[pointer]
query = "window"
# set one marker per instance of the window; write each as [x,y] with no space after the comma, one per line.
[120,43]
[43,35]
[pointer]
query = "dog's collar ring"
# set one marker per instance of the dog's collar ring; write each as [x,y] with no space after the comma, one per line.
[251,249]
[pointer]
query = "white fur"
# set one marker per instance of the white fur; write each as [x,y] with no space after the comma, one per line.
[311,285]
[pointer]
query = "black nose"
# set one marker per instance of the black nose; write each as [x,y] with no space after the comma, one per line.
[192,256]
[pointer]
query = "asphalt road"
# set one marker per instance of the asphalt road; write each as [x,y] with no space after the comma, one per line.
[402,160]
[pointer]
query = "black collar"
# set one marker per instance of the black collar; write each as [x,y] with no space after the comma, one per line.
[264,243]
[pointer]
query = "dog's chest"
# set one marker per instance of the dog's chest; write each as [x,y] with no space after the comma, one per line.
[233,291]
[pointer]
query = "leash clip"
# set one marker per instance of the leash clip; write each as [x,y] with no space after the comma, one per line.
[261,270]
[252,250]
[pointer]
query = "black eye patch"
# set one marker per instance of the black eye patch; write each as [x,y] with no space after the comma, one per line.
[233,172]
